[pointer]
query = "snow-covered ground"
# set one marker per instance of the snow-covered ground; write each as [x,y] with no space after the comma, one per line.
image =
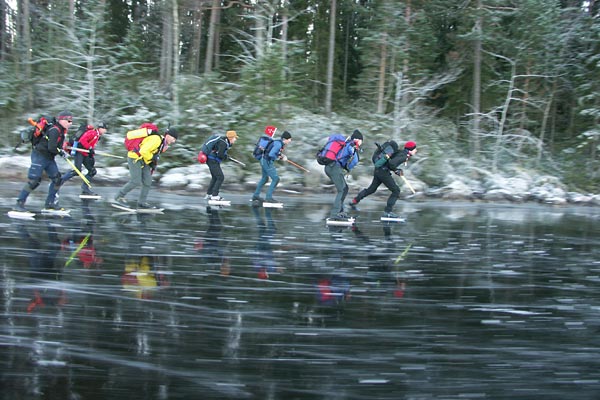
[521,187]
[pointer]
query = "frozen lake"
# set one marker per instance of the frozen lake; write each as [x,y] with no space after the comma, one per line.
[461,301]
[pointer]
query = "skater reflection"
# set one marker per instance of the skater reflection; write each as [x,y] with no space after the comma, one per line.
[141,277]
[211,244]
[264,260]
[385,272]
[80,246]
[44,269]
[333,290]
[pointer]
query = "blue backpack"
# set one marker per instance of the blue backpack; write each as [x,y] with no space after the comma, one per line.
[261,147]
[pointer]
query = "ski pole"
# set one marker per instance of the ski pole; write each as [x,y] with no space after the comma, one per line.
[97,152]
[298,166]
[78,172]
[408,184]
[236,161]
[401,256]
[78,249]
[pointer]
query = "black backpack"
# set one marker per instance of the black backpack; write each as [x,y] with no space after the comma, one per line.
[38,129]
[383,153]
[83,128]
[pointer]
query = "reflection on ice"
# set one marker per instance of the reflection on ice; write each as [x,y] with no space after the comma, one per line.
[246,302]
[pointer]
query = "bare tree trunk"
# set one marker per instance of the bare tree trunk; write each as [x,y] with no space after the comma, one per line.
[397,105]
[270,27]
[547,110]
[284,49]
[382,71]
[198,15]
[527,81]
[346,51]
[137,10]
[504,114]
[175,46]
[259,33]
[553,122]
[217,45]
[330,58]
[91,79]
[475,123]
[284,35]
[71,14]
[405,65]
[211,40]
[24,49]
[3,30]
[166,56]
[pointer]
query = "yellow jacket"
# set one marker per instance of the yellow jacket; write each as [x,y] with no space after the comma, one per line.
[148,148]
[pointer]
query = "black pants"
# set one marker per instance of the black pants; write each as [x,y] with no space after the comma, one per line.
[88,162]
[217,177]
[382,175]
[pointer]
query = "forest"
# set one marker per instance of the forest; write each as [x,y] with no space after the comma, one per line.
[483,86]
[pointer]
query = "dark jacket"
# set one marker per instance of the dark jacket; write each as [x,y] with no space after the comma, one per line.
[397,159]
[52,142]
[219,152]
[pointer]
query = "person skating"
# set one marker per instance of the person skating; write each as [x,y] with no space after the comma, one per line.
[217,155]
[42,159]
[387,159]
[272,153]
[345,159]
[142,163]
[86,142]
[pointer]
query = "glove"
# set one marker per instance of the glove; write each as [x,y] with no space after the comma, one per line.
[91,153]
[62,153]
[399,172]
[283,157]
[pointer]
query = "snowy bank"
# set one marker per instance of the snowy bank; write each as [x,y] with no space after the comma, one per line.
[488,187]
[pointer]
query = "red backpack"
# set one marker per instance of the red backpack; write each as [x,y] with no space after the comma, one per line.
[328,153]
[134,138]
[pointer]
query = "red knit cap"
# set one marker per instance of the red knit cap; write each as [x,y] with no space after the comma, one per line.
[270,131]
[410,146]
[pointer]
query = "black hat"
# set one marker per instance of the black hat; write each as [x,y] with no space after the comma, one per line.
[172,132]
[65,115]
[356,135]
[102,125]
[286,135]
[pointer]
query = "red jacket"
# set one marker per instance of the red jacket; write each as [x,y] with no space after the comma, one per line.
[89,139]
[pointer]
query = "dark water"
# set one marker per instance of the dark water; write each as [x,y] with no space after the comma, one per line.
[461,301]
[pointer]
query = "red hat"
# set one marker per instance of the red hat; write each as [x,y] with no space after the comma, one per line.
[270,130]
[410,146]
